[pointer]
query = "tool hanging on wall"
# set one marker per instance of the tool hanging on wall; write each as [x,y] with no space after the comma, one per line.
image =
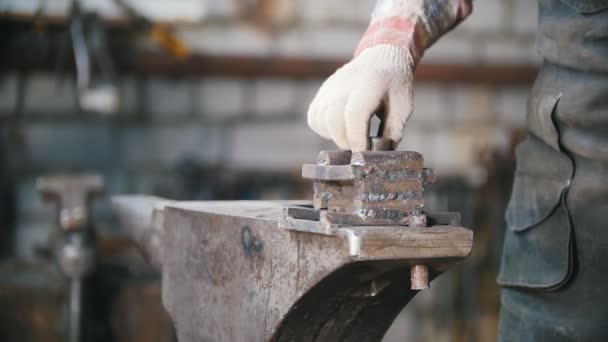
[161,33]
[89,46]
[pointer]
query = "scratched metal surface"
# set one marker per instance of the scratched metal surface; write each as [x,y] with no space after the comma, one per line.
[229,273]
[369,187]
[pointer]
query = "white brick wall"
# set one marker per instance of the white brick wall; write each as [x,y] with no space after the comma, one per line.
[353,12]
[227,38]
[509,51]
[429,104]
[525,17]
[511,106]
[454,151]
[221,98]
[324,12]
[221,9]
[365,9]
[470,105]
[273,146]
[488,16]
[319,42]
[165,145]
[45,93]
[458,151]
[452,48]
[129,97]
[332,29]
[305,92]
[169,99]
[274,97]
[156,10]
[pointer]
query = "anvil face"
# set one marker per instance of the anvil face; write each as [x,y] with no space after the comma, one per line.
[232,272]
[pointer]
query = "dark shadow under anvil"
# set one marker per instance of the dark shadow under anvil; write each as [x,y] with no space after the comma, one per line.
[230,273]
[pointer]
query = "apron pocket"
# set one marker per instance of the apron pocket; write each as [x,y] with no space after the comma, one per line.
[541,177]
[541,257]
[538,239]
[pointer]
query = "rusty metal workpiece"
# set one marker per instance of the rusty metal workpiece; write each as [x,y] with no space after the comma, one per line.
[368,188]
[229,273]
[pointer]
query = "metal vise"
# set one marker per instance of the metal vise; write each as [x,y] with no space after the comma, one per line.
[76,250]
[272,271]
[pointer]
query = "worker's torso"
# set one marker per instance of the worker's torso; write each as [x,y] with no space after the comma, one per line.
[573,40]
[554,266]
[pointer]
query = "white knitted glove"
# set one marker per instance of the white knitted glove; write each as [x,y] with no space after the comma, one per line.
[380,75]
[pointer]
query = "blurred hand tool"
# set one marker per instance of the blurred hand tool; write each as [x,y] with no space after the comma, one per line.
[159,32]
[101,97]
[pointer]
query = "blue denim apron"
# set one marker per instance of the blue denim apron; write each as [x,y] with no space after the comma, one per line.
[554,269]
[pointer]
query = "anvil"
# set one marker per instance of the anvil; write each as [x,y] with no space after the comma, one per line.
[339,268]
[232,271]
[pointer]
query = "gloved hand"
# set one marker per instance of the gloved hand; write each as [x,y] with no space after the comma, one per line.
[380,75]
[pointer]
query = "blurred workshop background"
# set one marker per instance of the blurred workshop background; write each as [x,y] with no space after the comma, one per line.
[206,99]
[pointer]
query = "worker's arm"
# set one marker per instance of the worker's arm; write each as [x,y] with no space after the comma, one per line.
[381,73]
